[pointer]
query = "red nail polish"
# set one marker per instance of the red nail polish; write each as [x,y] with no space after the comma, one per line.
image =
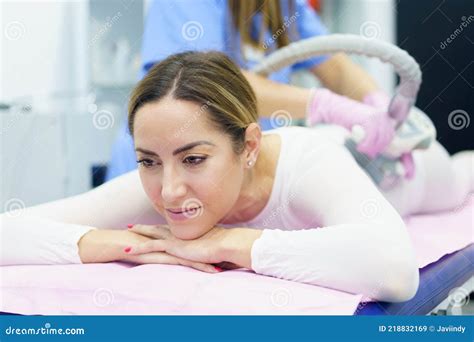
[218,269]
[129,225]
[127,249]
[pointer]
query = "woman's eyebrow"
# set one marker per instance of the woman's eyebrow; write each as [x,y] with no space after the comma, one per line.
[178,150]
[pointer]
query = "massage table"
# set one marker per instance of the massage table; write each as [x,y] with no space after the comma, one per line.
[443,243]
[452,271]
[436,281]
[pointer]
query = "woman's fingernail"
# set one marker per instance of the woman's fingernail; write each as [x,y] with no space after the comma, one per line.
[127,249]
[129,225]
[218,269]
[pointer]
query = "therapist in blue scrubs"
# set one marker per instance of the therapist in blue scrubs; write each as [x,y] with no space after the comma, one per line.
[235,28]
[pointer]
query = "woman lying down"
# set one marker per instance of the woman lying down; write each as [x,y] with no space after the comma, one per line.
[212,191]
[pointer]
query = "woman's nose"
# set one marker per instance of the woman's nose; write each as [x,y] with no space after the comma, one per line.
[173,187]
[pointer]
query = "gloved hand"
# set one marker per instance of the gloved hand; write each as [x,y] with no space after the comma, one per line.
[325,106]
[380,100]
[377,99]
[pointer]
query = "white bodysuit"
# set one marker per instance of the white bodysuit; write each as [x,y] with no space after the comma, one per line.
[325,223]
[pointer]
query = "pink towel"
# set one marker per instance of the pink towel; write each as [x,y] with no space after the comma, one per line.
[121,289]
[113,289]
[439,234]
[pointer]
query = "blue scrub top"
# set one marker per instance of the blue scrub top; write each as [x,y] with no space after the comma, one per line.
[174,26]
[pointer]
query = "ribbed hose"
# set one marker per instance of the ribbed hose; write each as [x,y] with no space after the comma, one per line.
[405,66]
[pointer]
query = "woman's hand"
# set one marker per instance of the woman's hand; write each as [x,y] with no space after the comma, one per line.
[165,258]
[379,99]
[378,129]
[227,247]
[104,245]
[205,249]
[376,132]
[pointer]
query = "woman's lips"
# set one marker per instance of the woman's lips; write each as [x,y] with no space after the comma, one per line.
[182,215]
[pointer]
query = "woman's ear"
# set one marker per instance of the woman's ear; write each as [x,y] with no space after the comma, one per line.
[253,138]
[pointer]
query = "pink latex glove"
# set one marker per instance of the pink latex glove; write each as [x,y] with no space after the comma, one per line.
[380,100]
[377,99]
[325,106]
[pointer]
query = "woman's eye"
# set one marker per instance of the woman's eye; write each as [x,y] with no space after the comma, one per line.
[191,161]
[147,163]
[194,160]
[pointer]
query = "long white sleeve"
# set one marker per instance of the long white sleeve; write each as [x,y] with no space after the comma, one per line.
[30,240]
[49,233]
[362,245]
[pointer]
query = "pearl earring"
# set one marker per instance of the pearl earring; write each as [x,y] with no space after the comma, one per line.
[249,163]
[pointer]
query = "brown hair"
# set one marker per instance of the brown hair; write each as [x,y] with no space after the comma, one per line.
[209,79]
[272,20]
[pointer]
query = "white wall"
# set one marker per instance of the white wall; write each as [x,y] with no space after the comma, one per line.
[371,18]
[39,56]
[46,63]
[44,67]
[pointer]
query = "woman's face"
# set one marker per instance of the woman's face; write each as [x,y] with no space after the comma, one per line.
[188,169]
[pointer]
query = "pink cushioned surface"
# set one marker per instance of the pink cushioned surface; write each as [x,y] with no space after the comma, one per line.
[122,289]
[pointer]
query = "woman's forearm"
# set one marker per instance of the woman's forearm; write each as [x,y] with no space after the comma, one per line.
[339,74]
[344,77]
[273,96]
[99,246]
[237,247]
